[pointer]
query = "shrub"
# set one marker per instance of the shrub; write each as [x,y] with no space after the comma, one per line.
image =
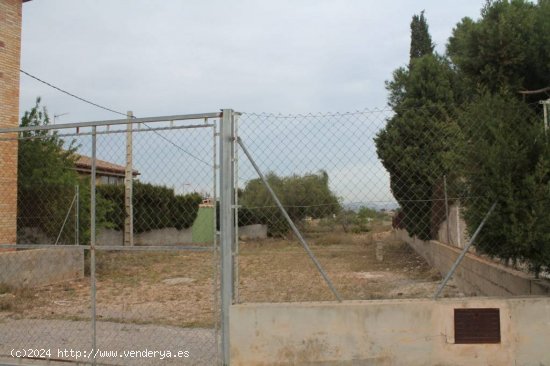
[155,207]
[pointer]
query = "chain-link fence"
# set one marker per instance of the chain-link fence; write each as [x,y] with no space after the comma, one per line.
[127,272]
[387,200]
[360,205]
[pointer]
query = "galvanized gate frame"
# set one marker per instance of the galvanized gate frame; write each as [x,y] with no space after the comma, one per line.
[92,247]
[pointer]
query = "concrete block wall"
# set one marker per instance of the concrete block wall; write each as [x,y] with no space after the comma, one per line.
[166,236]
[385,332]
[38,267]
[10,51]
[476,275]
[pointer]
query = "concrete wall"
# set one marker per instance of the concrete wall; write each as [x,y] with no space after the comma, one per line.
[34,235]
[10,51]
[252,232]
[385,332]
[453,231]
[38,267]
[476,275]
[166,236]
[170,236]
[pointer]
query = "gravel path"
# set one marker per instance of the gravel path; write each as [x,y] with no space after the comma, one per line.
[76,335]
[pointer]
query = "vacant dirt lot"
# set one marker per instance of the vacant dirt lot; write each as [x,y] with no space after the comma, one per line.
[177,288]
[361,266]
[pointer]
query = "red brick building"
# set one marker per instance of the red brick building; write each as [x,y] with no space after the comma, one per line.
[10,56]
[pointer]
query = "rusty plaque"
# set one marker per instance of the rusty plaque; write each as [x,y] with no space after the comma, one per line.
[477,326]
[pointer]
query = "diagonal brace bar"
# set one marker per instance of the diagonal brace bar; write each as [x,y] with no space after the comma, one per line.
[289,220]
[464,251]
[66,218]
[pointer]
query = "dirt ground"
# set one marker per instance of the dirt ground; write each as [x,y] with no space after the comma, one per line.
[177,288]
[361,266]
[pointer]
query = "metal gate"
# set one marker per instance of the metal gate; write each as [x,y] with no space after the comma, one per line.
[109,244]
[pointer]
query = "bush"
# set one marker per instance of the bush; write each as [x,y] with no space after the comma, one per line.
[155,207]
[46,183]
[302,196]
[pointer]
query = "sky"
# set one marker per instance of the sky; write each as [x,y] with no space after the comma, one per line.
[175,57]
[172,57]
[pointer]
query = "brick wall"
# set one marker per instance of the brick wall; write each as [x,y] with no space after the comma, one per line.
[10,51]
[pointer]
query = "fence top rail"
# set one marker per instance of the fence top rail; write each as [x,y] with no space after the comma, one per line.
[178,117]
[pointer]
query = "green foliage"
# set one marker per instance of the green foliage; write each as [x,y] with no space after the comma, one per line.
[507,49]
[421,45]
[421,41]
[416,145]
[155,207]
[185,209]
[42,157]
[47,183]
[397,87]
[416,148]
[507,160]
[495,150]
[505,154]
[367,214]
[347,219]
[302,196]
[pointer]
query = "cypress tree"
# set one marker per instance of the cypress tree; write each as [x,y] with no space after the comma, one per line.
[421,41]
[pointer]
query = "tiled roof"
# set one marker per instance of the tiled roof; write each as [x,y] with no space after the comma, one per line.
[85,163]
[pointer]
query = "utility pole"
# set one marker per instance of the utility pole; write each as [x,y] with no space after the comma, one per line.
[128,187]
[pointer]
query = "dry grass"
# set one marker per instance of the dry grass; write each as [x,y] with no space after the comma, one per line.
[362,266]
[132,286]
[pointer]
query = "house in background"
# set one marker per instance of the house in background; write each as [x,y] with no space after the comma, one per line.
[106,172]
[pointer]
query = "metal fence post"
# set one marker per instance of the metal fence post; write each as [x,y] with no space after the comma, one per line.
[236,211]
[215,247]
[227,141]
[93,238]
[76,215]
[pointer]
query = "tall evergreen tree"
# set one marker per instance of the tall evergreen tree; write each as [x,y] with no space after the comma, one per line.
[421,41]
[414,146]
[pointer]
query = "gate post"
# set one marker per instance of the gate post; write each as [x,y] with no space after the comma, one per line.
[227,219]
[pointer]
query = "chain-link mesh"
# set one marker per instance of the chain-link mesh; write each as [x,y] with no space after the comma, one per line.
[367,187]
[152,279]
[380,197]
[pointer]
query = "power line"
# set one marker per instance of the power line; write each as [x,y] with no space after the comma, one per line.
[113,111]
[71,94]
